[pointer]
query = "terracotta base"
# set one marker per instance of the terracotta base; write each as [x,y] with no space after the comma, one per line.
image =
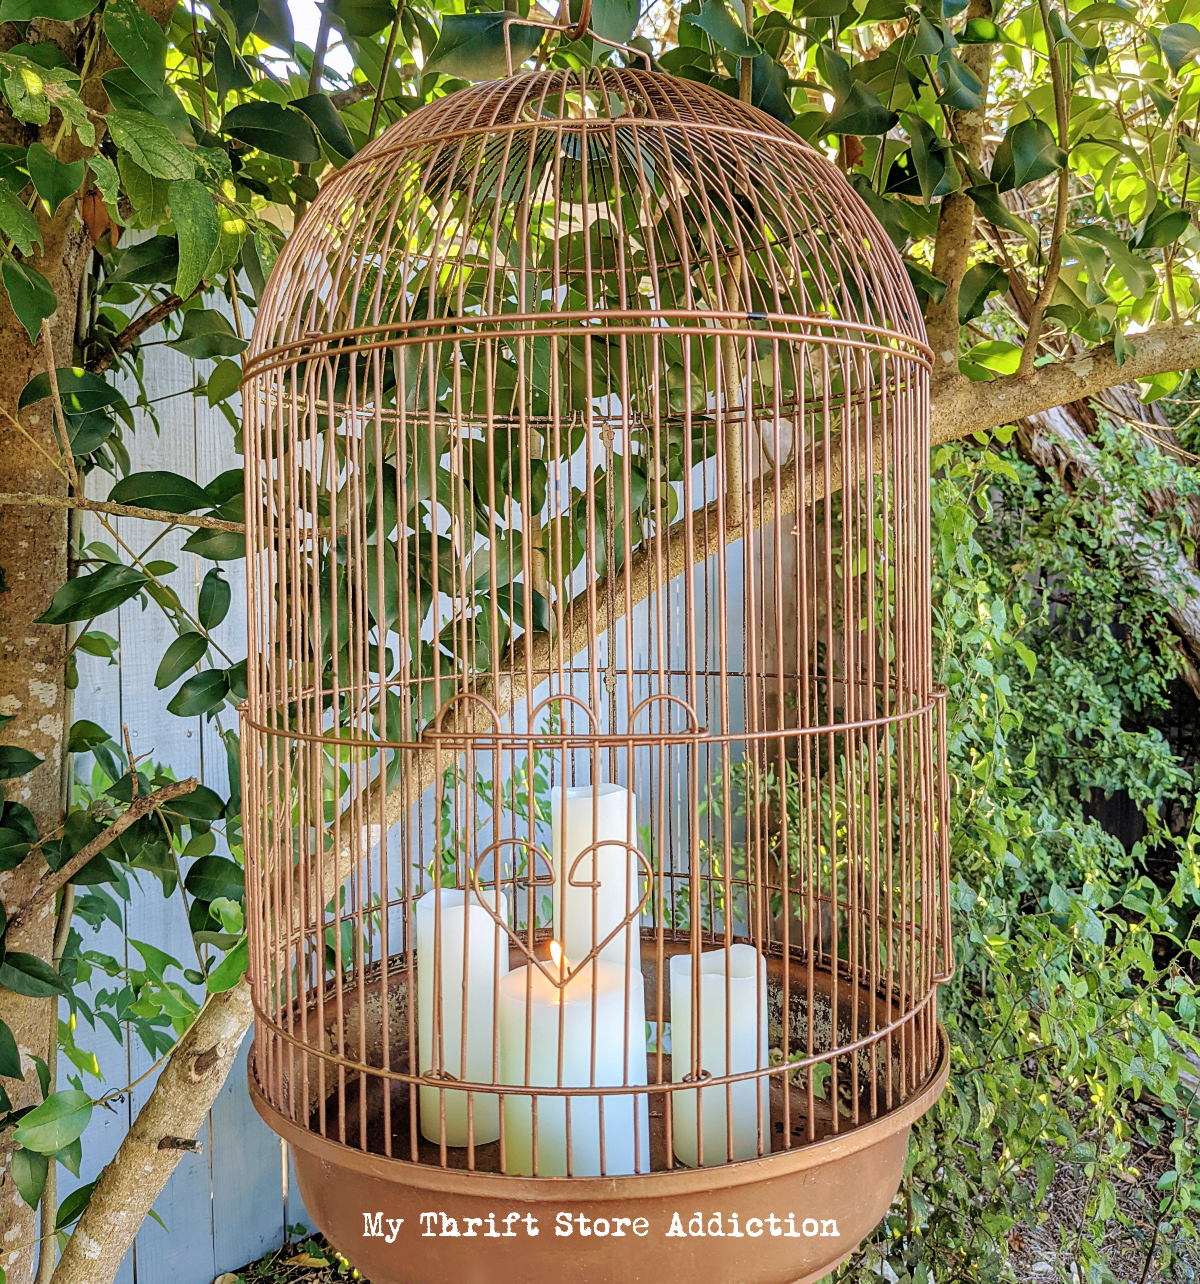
[849,1179]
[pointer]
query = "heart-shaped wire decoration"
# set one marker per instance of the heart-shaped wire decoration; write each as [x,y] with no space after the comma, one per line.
[557,977]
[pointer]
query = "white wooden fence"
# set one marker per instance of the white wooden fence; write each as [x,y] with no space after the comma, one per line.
[232,1202]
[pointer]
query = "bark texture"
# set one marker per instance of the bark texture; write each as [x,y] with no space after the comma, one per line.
[956,215]
[961,407]
[131,1182]
[33,559]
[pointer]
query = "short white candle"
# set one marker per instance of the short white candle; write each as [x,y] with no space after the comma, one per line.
[461,945]
[531,1004]
[579,818]
[746,1041]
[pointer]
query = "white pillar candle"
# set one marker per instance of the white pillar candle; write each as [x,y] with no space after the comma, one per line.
[584,916]
[531,1005]
[461,946]
[746,1042]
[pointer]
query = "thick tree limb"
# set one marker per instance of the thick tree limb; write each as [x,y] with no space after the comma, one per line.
[961,407]
[176,1109]
[125,510]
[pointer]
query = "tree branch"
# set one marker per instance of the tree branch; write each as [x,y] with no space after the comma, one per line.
[961,407]
[136,328]
[1062,111]
[130,1183]
[49,887]
[956,215]
[355,94]
[123,510]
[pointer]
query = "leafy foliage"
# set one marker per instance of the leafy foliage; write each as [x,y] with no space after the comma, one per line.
[1076,986]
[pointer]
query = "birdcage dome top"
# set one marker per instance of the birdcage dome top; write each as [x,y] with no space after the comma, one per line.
[569,193]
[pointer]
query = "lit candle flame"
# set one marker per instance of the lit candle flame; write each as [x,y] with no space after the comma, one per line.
[557,957]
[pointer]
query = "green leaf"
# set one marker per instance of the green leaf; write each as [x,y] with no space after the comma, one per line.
[14,847]
[1180,43]
[12,166]
[71,1209]
[90,595]
[928,158]
[201,804]
[323,115]
[231,968]
[279,131]
[183,654]
[201,693]
[979,283]
[471,46]
[716,21]
[127,92]
[197,231]
[1135,271]
[230,69]
[17,223]
[16,762]
[85,736]
[205,334]
[224,381]
[29,1170]
[980,31]
[1162,226]
[152,262]
[1027,152]
[769,86]
[81,391]
[274,24]
[929,40]
[361,18]
[10,1056]
[163,491]
[150,144]
[212,877]
[962,90]
[30,294]
[33,977]
[217,546]
[57,1122]
[611,19]
[139,42]
[215,595]
[54,180]
[56,10]
[99,644]
[859,111]
[925,283]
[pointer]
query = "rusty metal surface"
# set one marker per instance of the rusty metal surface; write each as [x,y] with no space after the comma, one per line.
[586,442]
[850,1179]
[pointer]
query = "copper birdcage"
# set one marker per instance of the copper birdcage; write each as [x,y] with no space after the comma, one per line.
[594,770]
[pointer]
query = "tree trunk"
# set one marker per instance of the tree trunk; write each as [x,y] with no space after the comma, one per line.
[175,1110]
[33,560]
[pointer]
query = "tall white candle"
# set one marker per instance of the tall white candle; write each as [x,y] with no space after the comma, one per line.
[584,916]
[534,1014]
[461,947]
[746,1041]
